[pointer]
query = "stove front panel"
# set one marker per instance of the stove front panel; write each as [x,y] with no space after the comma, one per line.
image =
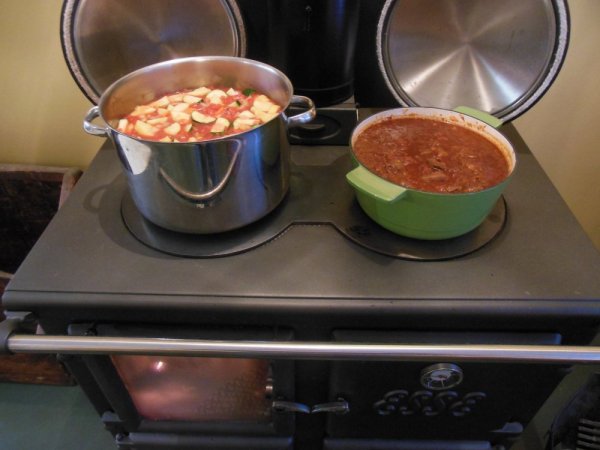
[443,400]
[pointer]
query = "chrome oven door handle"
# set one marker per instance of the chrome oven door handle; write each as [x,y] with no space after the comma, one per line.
[340,406]
[18,343]
[281,406]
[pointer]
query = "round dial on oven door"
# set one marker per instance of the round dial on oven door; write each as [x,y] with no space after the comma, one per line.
[441,376]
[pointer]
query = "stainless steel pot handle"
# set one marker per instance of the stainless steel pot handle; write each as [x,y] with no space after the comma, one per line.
[89,127]
[203,196]
[304,117]
[16,343]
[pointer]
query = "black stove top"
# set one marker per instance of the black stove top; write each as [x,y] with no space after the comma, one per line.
[88,264]
[318,195]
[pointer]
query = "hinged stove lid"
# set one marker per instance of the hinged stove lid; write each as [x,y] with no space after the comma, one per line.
[105,40]
[498,57]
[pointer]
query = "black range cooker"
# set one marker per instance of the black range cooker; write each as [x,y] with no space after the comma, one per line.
[313,327]
[533,283]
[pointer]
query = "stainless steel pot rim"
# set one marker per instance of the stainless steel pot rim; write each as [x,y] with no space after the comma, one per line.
[402,73]
[82,41]
[194,59]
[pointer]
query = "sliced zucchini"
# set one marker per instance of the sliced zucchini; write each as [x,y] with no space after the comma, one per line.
[175,98]
[200,92]
[263,115]
[173,129]
[179,116]
[157,120]
[262,103]
[202,118]
[142,110]
[180,107]
[191,99]
[244,124]
[247,114]
[145,129]
[215,95]
[220,125]
[161,102]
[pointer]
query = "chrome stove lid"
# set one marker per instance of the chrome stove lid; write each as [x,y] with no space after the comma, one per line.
[103,41]
[498,57]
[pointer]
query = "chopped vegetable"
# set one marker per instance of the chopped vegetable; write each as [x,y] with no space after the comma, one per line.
[199,114]
[200,92]
[122,126]
[191,99]
[220,125]
[145,129]
[161,102]
[173,129]
[215,96]
[202,118]
[179,116]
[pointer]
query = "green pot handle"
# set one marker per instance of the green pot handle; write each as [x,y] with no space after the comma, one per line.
[483,116]
[370,184]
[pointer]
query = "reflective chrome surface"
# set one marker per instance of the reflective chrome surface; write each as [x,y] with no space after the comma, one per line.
[498,57]
[211,186]
[105,40]
[303,350]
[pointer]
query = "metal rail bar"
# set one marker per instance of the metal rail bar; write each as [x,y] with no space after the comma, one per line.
[302,350]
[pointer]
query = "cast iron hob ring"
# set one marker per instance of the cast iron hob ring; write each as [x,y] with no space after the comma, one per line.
[312,200]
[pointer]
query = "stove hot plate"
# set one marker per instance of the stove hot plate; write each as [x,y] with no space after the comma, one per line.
[318,196]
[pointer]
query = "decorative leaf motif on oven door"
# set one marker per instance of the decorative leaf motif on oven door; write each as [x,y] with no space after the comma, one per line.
[466,405]
[427,403]
[393,401]
[441,403]
[420,401]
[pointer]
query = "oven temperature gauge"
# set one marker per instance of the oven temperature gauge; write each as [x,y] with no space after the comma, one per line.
[441,376]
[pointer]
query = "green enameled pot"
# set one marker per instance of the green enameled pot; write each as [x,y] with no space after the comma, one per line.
[427,215]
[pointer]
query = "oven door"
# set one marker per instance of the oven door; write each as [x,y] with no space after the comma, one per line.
[474,405]
[150,401]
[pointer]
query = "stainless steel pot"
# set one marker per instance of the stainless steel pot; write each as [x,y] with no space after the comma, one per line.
[211,186]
